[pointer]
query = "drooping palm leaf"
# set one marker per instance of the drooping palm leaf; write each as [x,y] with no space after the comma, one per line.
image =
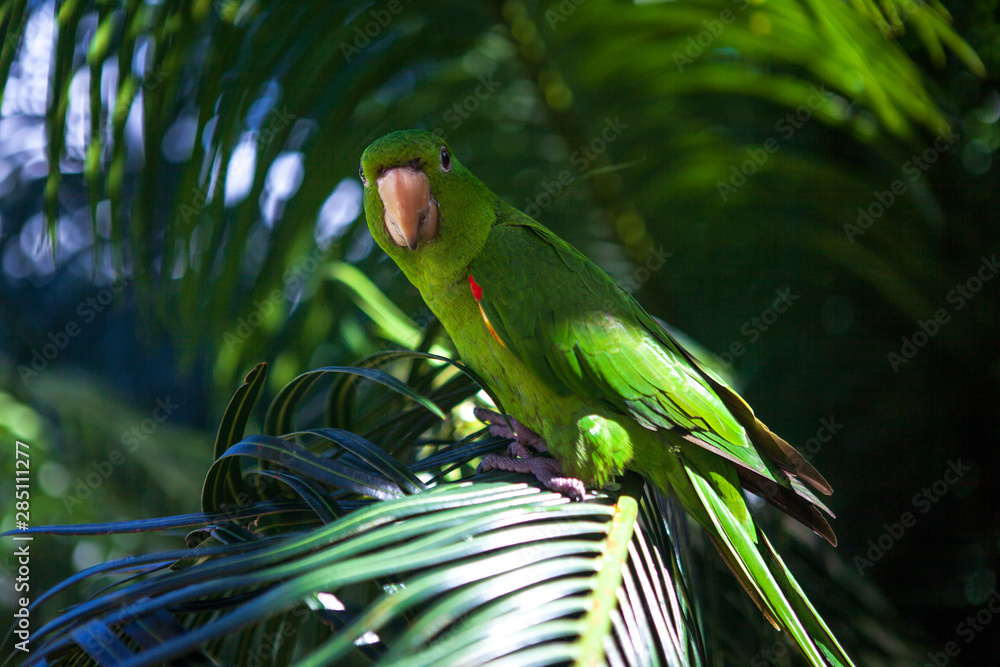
[239,84]
[455,571]
[233,66]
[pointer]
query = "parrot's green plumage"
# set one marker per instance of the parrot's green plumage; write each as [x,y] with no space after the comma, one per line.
[576,359]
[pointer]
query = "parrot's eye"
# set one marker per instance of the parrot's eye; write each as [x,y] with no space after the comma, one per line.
[445,159]
[361,173]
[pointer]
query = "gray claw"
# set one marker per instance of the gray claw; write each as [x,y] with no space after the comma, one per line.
[520,434]
[548,471]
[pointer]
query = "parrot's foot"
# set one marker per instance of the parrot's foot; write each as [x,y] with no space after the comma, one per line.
[522,436]
[520,459]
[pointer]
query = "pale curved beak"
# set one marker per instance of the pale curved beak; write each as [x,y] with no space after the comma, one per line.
[410,213]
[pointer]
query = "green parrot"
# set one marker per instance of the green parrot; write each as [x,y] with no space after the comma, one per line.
[587,373]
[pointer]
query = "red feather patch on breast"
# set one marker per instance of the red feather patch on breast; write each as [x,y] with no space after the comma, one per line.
[477,291]
[477,294]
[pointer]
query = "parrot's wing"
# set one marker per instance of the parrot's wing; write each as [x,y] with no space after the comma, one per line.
[782,453]
[776,447]
[580,333]
[574,328]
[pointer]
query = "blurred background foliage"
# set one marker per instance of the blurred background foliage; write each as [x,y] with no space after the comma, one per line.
[179,201]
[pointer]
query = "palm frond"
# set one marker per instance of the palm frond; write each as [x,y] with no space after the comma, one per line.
[231,95]
[293,561]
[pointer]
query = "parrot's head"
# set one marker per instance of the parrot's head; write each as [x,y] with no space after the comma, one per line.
[427,211]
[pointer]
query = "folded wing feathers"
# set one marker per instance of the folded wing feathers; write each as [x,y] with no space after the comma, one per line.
[672,392]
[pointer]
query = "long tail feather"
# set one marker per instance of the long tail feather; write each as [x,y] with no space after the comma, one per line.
[703,489]
[792,504]
[818,630]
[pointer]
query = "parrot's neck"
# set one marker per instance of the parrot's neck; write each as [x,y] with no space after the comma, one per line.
[452,303]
